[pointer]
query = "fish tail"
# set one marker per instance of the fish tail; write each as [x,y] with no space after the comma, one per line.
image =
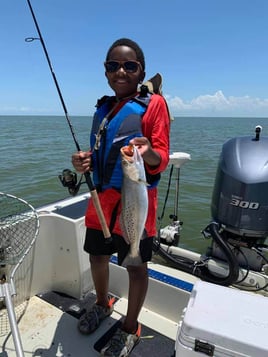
[132,260]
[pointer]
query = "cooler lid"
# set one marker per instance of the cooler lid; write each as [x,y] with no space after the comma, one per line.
[232,319]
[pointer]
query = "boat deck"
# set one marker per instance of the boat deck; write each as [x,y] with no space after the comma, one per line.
[48,328]
[57,263]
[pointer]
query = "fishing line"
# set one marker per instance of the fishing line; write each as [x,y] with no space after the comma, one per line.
[89,182]
[30,39]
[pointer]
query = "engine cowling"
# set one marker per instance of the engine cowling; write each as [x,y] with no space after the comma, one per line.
[240,195]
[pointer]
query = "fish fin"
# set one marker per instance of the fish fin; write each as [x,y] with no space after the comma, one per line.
[130,260]
[143,182]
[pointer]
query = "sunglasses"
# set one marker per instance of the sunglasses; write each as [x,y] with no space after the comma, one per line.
[128,66]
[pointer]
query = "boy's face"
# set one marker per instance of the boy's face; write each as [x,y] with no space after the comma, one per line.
[123,71]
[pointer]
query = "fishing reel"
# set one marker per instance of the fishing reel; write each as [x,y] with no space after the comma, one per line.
[68,179]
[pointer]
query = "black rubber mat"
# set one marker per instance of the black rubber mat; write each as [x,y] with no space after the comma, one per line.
[151,344]
[67,303]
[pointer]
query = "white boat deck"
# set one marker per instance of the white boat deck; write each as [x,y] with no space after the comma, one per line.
[53,286]
[46,330]
[57,263]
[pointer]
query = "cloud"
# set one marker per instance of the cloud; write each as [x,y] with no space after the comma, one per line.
[218,105]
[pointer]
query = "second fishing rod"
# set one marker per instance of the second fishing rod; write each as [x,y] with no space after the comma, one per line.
[91,186]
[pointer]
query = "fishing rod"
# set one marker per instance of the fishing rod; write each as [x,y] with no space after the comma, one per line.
[91,186]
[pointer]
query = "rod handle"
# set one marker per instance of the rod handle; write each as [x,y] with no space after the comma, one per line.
[105,229]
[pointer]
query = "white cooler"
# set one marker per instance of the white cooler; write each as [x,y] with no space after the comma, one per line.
[221,321]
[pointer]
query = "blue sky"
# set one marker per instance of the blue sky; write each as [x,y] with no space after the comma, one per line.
[213,55]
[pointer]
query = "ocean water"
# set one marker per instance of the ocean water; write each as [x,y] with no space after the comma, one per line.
[35,149]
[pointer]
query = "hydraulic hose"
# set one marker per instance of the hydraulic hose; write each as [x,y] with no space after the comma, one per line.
[204,273]
[199,269]
[176,262]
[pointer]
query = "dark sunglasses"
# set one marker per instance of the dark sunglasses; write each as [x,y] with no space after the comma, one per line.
[128,66]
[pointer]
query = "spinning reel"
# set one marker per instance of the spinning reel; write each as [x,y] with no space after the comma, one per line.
[68,179]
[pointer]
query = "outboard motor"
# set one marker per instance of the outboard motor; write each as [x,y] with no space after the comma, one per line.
[239,205]
[239,210]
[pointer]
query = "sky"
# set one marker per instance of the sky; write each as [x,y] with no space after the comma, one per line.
[212,54]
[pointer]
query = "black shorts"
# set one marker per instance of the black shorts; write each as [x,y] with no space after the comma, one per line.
[95,245]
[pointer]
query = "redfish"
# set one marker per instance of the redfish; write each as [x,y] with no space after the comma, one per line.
[134,202]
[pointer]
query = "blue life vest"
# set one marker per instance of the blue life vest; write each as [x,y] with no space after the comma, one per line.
[118,131]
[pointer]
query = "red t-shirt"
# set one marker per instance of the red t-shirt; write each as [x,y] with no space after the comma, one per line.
[155,126]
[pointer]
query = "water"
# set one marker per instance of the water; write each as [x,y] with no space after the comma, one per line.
[35,149]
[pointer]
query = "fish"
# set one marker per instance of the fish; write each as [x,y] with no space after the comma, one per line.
[134,202]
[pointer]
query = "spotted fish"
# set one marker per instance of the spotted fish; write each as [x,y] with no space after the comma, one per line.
[134,202]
